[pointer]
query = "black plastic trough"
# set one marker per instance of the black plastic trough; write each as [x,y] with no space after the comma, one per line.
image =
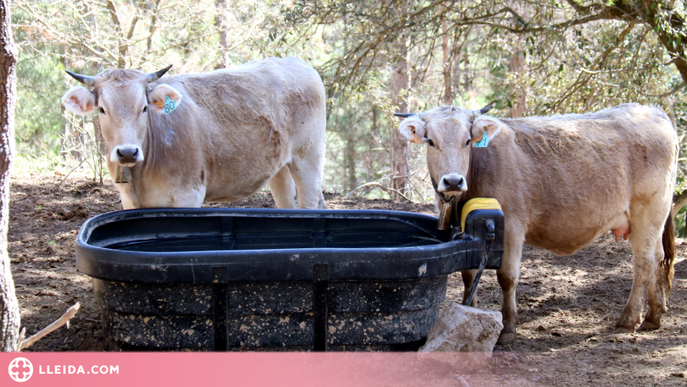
[255,279]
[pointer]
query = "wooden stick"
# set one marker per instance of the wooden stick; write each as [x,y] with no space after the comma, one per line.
[58,323]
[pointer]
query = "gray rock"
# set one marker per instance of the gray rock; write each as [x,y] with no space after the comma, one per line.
[464,329]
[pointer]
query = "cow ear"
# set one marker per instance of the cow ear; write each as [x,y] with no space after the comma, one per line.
[413,128]
[158,97]
[490,125]
[79,100]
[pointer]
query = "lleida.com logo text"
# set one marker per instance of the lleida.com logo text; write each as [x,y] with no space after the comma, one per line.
[21,369]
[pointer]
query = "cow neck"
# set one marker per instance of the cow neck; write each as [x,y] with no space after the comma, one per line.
[471,175]
[151,138]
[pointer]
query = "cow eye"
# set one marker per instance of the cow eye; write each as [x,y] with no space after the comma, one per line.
[467,144]
[430,142]
[101,111]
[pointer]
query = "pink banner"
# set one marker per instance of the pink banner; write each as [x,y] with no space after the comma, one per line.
[241,369]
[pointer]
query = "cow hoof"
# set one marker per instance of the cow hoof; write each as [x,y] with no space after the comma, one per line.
[621,329]
[506,338]
[649,326]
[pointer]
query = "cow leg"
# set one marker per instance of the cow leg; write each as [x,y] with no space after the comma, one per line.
[508,276]
[468,280]
[657,301]
[646,228]
[283,189]
[307,173]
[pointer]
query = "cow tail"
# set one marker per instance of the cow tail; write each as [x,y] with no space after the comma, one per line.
[668,254]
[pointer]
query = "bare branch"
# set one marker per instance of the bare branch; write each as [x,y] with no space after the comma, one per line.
[56,324]
[585,9]
[666,94]
[135,19]
[151,31]
[585,75]
[390,191]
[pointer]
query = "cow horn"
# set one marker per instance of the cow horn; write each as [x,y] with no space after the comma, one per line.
[85,79]
[485,109]
[152,77]
[405,115]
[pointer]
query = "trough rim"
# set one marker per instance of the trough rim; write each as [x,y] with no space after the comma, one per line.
[295,264]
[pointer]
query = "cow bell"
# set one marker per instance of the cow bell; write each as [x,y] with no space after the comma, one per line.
[445,215]
[122,174]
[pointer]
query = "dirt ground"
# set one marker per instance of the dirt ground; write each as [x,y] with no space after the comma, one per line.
[568,305]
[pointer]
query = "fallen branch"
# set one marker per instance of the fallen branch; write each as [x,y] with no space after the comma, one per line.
[383,188]
[70,172]
[62,320]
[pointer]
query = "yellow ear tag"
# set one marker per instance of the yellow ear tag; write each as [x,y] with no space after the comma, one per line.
[170,105]
[484,142]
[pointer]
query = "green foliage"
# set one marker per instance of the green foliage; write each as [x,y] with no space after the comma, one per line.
[38,113]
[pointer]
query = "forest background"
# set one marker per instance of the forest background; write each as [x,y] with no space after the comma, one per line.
[375,58]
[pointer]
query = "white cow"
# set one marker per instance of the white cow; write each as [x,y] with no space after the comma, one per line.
[217,136]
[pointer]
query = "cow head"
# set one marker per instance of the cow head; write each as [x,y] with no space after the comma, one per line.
[123,104]
[450,134]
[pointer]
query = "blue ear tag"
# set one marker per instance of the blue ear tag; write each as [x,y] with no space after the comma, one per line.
[484,142]
[169,105]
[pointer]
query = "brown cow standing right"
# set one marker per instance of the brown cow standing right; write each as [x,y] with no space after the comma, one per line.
[562,182]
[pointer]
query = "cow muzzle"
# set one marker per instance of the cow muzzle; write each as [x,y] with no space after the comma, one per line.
[452,183]
[126,155]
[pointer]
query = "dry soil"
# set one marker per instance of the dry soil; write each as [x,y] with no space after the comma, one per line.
[568,305]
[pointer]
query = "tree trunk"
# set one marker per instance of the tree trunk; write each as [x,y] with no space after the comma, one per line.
[448,93]
[399,90]
[151,30]
[102,147]
[72,135]
[518,66]
[221,25]
[399,145]
[9,308]
[121,58]
[349,159]
[517,92]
